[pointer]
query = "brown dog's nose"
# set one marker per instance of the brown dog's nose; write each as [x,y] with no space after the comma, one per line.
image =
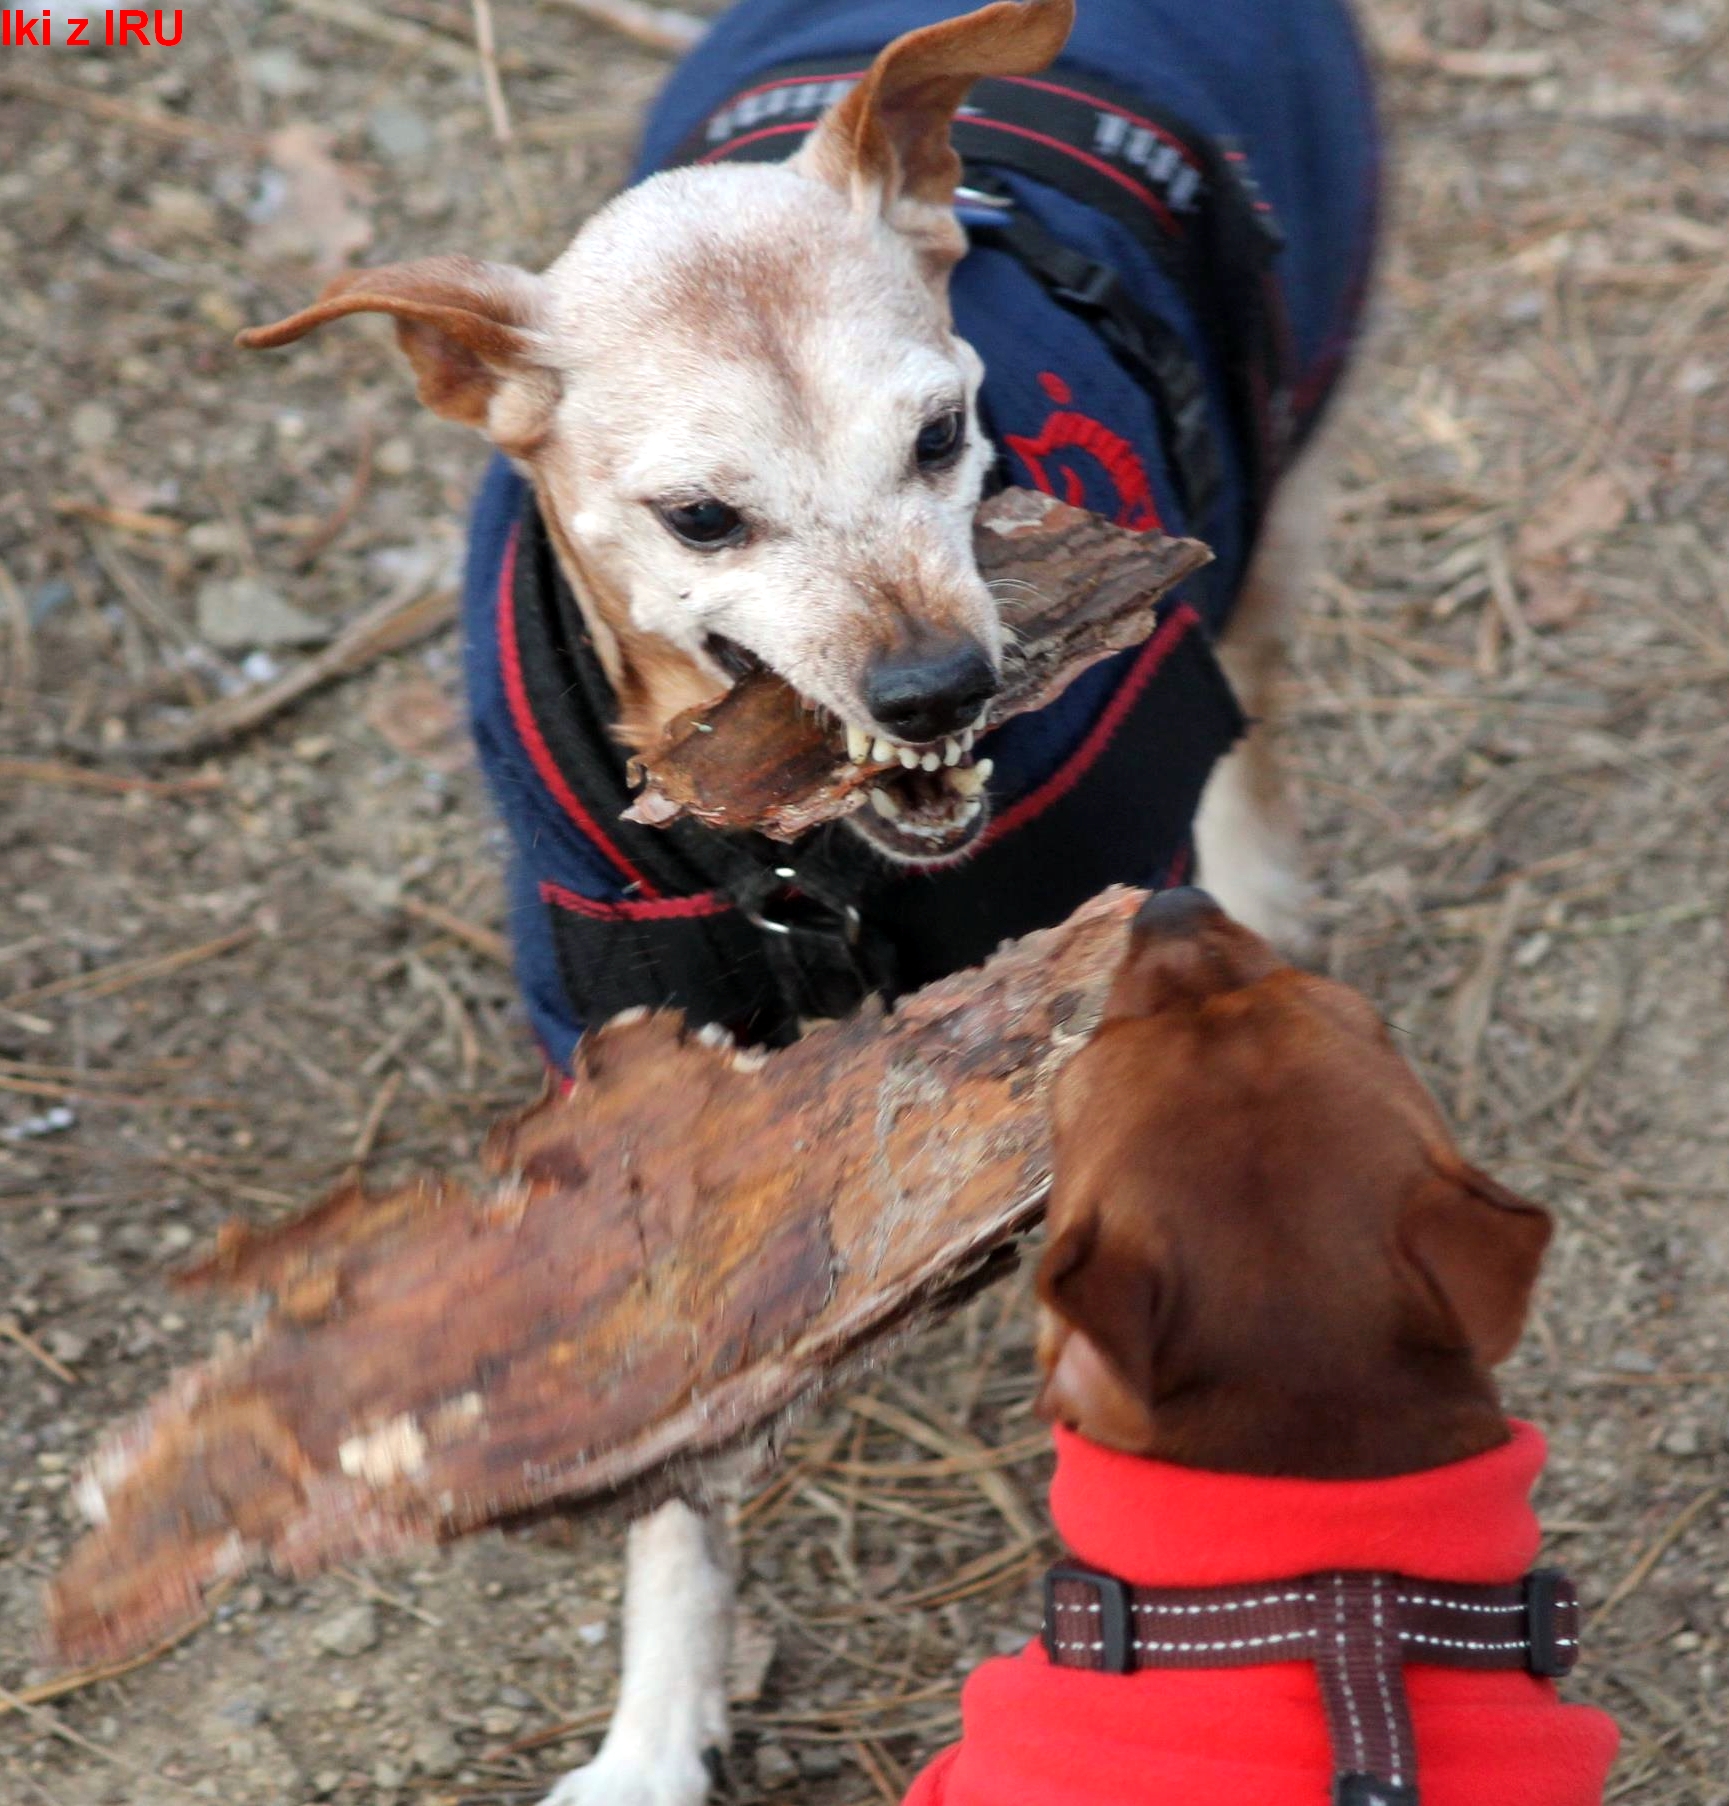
[930,687]
[1173,914]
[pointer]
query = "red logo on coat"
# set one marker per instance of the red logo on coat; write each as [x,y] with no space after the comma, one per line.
[1066,441]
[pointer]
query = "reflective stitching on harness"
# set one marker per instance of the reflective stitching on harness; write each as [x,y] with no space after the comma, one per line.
[1180,1647]
[1395,1738]
[1417,1636]
[1459,1605]
[1226,1605]
[1345,1686]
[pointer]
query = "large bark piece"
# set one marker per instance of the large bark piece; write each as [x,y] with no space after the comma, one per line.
[1072,589]
[672,1257]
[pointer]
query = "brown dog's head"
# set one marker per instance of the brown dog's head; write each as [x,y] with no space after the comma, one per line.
[1266,1254]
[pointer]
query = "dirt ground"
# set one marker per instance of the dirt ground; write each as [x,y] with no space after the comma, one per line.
[224,982]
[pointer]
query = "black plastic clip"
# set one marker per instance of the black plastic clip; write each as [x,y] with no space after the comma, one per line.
[1545,1591]
[1114,1628]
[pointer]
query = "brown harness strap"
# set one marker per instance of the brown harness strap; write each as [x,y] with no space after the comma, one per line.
[1360,1628]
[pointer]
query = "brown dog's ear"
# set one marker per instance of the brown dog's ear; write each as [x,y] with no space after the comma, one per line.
[1115,1303]
[1476,1247]
[464,325]
[887,143]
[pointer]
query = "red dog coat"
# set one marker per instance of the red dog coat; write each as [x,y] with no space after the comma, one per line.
[1036,1735]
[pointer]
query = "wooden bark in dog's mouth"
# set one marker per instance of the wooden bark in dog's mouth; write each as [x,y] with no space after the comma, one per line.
[1073,589]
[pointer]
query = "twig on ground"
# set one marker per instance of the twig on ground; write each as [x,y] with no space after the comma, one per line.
[365,1584]
[386,28]
[14,1331]
[486,45]
[393,624]
[1475,1002]
[880,1769]
[169,126]
[112,783]
[21,659]
[374,1118]
[656,27]
[339,517]
[1604,1033]
[485,941]
[1666,1539]
[1659,126]
[104,981]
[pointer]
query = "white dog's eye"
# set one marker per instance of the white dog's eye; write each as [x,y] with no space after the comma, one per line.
[705,524]
[939,441]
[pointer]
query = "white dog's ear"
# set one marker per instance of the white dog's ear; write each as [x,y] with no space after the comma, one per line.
[886,145]
[470,329]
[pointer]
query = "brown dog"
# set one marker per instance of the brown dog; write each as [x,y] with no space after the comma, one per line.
[1272,1297]
[1267,1256]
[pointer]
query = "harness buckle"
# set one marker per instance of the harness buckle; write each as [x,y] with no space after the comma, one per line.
[1094,286]
[1115,1631]
[1546,1591]
[1370,1790]
[756,912]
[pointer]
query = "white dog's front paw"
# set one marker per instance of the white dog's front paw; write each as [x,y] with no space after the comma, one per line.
[635,1778]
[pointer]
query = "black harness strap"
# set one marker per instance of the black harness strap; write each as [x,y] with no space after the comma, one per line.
[1361,1630]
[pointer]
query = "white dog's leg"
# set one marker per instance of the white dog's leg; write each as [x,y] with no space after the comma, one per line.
[1248,839]
[669,1729]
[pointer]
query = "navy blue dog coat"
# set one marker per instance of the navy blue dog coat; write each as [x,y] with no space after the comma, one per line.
[1171,231]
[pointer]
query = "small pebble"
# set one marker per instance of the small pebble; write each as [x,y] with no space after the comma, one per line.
[92,425]
[1683,1439]
[774,1766]
[398,132]
[434,1751]
[350,1632]
[394,458]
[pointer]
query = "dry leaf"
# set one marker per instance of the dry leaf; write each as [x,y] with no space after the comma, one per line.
[311,209]
[1579,512]
[419,719]
[1553,595]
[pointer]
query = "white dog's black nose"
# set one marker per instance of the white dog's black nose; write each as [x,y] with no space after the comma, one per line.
[930,687]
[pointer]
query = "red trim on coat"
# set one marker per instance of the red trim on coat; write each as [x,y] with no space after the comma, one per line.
[528,729]
[1163,133]
[1144,195]
[767,131]
[793,81]
[1152,655]
[1105,106]
[634,909]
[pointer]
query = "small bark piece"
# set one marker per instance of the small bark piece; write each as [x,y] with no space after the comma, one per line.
[1073,590]
[672,1258]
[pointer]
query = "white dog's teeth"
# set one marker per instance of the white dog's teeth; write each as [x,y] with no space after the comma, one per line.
[884,804]
[984,768]
[973,806]
[951,751]
[969,780]
[967,740]
[858,744]
[883,752]
[979,724]
[931,762]
[909,758]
